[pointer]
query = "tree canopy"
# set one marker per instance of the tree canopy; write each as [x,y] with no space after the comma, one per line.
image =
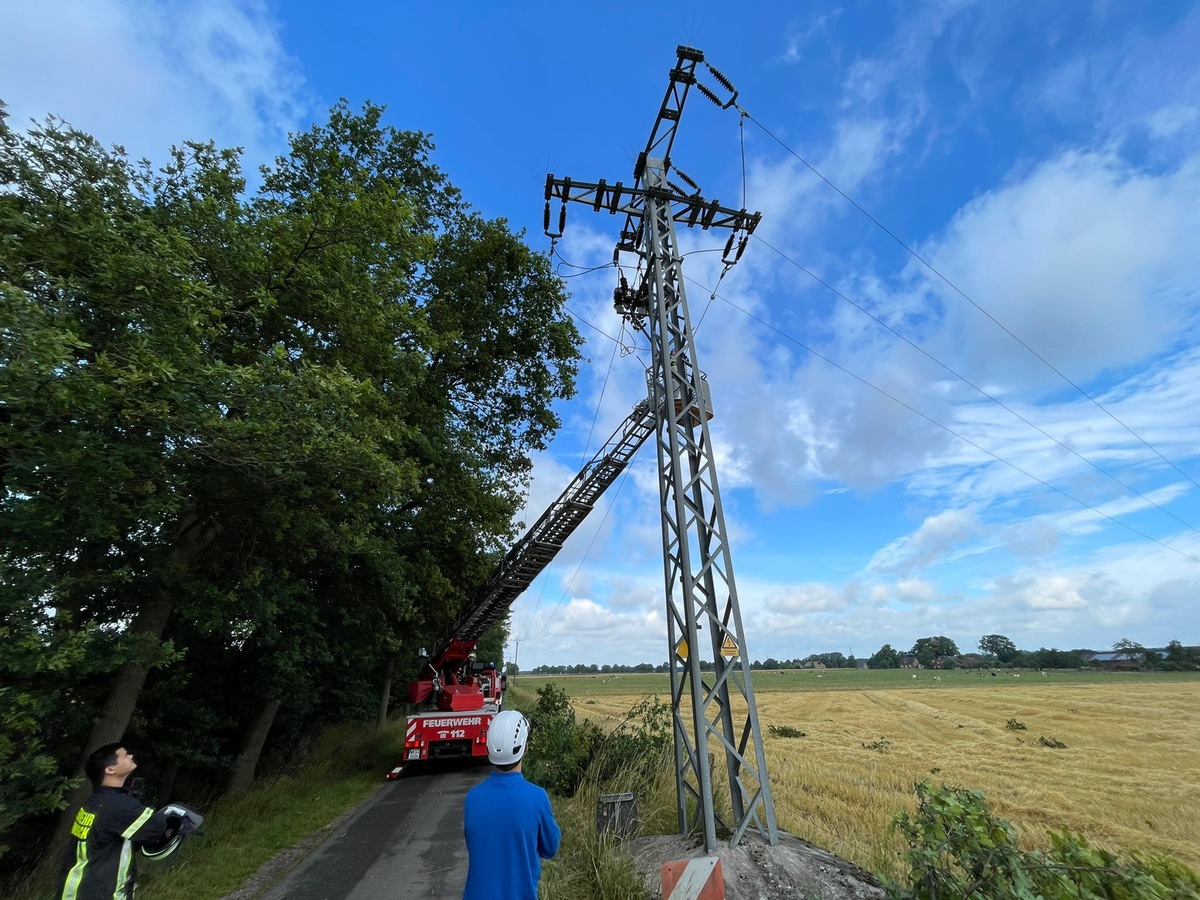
[999,646]
[884,658]
[930,651]
[253,443]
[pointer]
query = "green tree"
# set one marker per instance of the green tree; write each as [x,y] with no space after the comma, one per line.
[930,651]
[999,646]
[834,660]
[287,431]
[1180,657]
[884,658]
[1135,651]
[491,645]
[1051,658]
[560,748]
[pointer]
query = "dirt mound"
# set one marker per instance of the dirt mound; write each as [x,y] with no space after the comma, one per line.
[755,870]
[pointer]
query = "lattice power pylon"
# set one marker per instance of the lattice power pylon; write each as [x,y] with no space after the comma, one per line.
[700,589]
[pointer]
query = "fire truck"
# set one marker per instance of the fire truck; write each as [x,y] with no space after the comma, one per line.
[457,696]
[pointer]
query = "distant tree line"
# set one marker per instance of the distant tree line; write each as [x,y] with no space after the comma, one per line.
[829,660]
[256,446]
[941,652]
[938,652]
[1175,657]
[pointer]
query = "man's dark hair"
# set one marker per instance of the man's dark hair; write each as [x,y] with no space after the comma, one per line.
[99,760]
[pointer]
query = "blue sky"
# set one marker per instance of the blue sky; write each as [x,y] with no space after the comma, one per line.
[937,468]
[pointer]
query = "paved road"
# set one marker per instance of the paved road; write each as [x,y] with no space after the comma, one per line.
[406,842]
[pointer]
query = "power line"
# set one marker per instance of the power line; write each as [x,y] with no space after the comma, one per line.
[713,294]
[946,428]
[970,383]
[928,265]
[938,424]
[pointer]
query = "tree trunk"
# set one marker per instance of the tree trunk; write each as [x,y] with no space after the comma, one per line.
[164,786]
[385,695]
[242,775]
[110,725]
[303,745]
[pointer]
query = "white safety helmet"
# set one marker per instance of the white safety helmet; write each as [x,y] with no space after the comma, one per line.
[507,737]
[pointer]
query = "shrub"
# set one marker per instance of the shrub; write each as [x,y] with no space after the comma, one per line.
[635,756]
[1014,725]
[563,750]
[785,731]
[560,749]
[958,849]
[638,747]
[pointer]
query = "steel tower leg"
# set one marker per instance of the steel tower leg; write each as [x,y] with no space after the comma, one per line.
[700,588]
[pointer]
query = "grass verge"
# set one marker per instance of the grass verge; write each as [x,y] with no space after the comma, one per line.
[589,865]
[278,812]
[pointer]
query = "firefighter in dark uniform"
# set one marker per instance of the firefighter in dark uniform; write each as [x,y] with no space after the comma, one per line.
[100,865]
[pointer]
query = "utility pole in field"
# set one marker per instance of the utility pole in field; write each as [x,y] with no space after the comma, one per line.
[700,588]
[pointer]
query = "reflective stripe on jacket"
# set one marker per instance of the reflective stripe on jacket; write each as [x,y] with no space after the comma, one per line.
[100,865]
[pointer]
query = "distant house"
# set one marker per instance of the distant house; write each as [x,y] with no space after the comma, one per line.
[909,662]
[969,661]
[860,664]
[1114,660]
[813,665]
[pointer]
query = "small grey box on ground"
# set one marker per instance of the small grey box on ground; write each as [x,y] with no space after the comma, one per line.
[617,814]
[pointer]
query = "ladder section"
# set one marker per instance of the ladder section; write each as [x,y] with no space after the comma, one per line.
[541,543]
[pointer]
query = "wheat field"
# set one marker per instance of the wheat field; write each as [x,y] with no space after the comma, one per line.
[1127,775]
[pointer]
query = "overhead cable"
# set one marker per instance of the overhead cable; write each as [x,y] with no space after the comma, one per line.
[928,265]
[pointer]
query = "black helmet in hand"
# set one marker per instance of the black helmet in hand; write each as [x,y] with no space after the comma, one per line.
[181,821]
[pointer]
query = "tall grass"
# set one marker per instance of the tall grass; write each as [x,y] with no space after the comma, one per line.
[591,866]
[1128,776]
[635,756]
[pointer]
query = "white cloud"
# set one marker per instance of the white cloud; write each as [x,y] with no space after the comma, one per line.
[938,536]
[803,598]
[1084,258]
[585,631]
[1053,591]
[1171,120]
[1146,82]
[817,27]
[148,75]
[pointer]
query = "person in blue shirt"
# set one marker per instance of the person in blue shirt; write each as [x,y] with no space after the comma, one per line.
[508,822]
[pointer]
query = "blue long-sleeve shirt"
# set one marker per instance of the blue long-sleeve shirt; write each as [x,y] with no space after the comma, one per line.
[510,829]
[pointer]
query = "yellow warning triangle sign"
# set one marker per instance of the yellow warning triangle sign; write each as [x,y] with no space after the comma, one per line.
[729,646]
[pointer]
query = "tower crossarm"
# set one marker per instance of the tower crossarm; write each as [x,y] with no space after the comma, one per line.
[686,209]
[689,209]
